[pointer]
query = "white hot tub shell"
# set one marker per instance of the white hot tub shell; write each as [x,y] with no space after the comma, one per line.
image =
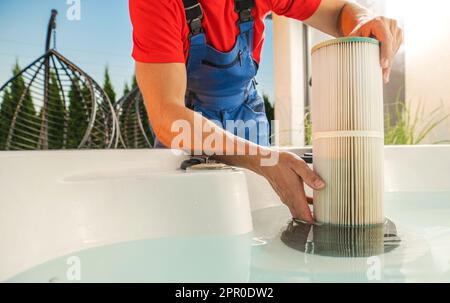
[55,203]
[59,202]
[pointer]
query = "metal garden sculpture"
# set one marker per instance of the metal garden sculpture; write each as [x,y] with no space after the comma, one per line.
[53,104]
[133,120]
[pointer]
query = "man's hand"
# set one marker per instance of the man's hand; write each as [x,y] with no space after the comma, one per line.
[388,33]
[287,179]
[347,18]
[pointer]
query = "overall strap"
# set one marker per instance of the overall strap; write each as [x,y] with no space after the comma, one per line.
[244,10]
[194,16]
[194,13]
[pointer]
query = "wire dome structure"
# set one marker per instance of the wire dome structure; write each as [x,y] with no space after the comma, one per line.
[53,104]
[135,131]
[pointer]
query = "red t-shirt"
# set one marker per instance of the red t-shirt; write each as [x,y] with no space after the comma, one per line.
[160,31]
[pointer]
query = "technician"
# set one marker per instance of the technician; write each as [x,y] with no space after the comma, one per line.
[196,61]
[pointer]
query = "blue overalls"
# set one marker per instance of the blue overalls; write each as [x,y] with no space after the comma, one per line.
[221,85]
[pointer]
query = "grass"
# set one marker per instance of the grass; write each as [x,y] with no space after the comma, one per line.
[308,128]
[412,128]
[408,129]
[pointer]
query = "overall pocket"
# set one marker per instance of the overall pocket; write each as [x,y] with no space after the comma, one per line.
[236,60]
[255,110]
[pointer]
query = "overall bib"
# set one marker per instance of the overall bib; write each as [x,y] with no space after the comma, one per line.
[221,85]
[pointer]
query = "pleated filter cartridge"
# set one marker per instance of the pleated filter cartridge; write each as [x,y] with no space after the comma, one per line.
[347,131]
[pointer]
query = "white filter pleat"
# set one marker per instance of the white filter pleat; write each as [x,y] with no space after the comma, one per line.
[348,140]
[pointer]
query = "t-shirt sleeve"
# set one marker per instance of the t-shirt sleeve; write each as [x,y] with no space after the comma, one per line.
[297,9]
[157,31]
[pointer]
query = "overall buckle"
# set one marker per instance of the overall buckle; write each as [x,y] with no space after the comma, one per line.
[195,26]
[194,16]
[245,16]
[244,10]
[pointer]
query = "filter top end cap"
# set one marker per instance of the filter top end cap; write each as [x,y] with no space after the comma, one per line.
[344,40]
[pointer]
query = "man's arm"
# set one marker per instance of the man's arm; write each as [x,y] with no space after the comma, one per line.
[163,86]
[345,18]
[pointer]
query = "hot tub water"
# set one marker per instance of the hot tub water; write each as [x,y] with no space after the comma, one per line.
[423,255]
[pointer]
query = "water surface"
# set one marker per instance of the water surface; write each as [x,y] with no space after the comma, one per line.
[422,223]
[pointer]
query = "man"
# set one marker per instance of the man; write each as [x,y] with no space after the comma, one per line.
[196,61]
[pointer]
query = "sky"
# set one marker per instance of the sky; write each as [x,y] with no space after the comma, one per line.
[102,37]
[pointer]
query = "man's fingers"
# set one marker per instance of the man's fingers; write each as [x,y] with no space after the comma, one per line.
[296,199]
[382,32]
[379,29]
[386,74]
[285,200]
[397,41]
[400,38]
[293,212]
[395,37]
[301,206]
[308,175]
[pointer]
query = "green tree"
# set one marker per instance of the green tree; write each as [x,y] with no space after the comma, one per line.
[18,111]
[108,87]
[134,83]
[126,89]
[97,134]
[78,116]
[144,116]
[6,114]
[146,122]
[56,114]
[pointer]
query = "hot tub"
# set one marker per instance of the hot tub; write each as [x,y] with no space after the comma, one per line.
[133,216]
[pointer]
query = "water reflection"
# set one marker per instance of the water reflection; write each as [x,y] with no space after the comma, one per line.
[341,241]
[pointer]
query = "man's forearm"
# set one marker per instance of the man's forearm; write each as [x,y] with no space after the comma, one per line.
[197,135]
[163,87]
[351,16]
[338,17]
